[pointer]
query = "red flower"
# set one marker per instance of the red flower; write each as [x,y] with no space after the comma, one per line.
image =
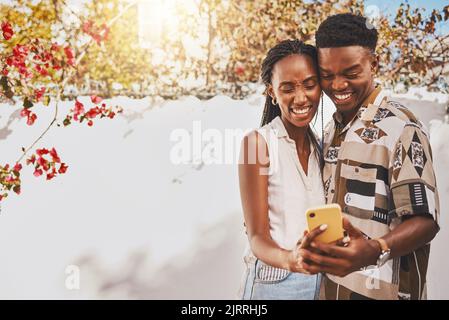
[68,52]
[55,47]
[25,112]
[63,168]
[87,26]
[239,70]
[70,56]
[31,160]
[79,109]
[31,119]
[37,172]
[92,113]
[7,30]
[42,71]
[90,123]
[38,93]
[95,99]
[42,162]
[41,152]
[17,167]
[5,72]
[54,155]
[50,175]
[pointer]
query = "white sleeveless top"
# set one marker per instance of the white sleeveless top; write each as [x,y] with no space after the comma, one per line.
[290,191]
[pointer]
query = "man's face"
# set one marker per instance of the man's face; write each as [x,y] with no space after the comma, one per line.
[347,76]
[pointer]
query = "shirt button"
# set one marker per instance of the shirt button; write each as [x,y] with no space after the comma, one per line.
[332,191]
[357,170]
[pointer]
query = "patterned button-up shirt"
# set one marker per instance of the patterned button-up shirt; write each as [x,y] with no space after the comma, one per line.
[378,168]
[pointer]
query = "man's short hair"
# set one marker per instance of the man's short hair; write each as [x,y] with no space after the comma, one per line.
[346,29]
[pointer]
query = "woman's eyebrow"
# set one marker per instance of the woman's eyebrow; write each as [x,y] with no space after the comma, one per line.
[312,77]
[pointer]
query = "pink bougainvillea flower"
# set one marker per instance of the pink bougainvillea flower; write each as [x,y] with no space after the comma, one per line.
[7,30]
[95,99]
[37,172]
[62,168]
[54,155]
[17,167]
[31,117]
[41,152]
[38,93]
[70,56]
[92,113]
[32,159]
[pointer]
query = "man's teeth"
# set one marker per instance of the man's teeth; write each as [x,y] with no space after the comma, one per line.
[342,96]
[300,111]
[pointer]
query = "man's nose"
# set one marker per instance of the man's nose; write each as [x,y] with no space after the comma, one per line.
[339,84]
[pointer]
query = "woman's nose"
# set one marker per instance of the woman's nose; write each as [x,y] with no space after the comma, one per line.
[300,97]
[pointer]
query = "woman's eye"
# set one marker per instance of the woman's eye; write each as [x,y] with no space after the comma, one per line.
[287,89]
[310,86]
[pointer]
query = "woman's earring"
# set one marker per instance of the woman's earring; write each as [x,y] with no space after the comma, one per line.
[273,101]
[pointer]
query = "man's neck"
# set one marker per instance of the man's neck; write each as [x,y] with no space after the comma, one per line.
[347,117]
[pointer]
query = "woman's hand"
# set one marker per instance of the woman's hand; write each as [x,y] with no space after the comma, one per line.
[295,257]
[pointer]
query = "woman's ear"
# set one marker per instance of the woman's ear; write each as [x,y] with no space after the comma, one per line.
[270,91]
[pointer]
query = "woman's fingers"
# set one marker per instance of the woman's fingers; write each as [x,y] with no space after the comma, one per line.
[309,237]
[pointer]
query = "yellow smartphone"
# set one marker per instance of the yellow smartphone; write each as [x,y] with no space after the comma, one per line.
[329,214]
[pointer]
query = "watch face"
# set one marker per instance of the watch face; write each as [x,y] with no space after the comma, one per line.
[383,258]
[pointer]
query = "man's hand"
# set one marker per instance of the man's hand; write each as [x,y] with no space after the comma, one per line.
[337,260]
[295,259]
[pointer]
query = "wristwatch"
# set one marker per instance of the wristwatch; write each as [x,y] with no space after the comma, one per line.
[384,254]
[383,257]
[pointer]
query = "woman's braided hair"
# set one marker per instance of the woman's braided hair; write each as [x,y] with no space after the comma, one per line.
[278,52]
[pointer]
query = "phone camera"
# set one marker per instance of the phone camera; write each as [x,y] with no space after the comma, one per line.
[312,215]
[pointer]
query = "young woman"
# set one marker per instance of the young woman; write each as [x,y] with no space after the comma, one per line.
[280,177]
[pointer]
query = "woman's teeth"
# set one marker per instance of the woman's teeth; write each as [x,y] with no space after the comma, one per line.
[342,96]
[300,111]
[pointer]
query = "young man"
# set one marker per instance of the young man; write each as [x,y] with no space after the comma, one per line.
[378,168]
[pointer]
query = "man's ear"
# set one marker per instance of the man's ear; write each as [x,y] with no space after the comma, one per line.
[374,63]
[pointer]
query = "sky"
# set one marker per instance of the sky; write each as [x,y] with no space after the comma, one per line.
[389,7]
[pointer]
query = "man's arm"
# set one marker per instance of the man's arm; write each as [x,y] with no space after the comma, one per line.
[410,235]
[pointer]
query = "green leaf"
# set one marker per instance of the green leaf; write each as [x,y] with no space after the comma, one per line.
[46,100]
[27,103]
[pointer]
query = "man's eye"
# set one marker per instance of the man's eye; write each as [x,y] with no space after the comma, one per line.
[352,75]
[326,76]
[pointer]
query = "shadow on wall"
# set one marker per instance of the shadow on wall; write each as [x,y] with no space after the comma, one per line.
[212,269]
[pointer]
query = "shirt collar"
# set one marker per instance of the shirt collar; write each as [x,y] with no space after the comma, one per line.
[281,131]
[279,127]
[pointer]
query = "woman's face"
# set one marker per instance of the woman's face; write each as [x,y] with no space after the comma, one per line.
[295,86]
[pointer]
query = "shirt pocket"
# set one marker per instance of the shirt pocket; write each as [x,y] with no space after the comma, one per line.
[360,190]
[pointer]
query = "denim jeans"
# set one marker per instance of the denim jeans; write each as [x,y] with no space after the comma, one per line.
[263,282]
